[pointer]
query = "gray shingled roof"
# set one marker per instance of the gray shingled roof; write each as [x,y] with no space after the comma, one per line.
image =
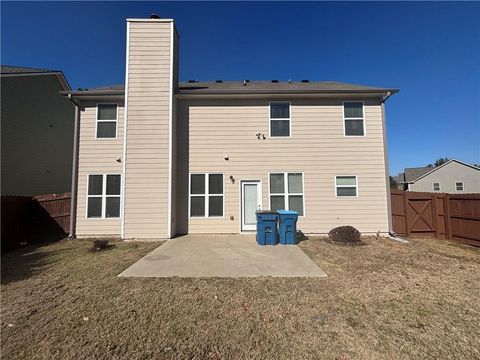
[268,86]
[7,69]
[254,87]
[412,174]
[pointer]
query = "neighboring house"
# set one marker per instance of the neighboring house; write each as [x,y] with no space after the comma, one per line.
[158,158]
[452,177]
[37,132]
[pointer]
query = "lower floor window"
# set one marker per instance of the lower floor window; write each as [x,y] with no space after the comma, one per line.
[206,195]
[286,192]
[103,196]
[346,185]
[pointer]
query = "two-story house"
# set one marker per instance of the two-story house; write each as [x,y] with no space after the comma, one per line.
[36,132]
[156,157]
[453,177]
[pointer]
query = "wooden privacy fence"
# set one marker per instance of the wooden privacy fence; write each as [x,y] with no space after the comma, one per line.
[444,216]
[33,219]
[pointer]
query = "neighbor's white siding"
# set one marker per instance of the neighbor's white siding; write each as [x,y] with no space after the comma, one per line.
[447,176]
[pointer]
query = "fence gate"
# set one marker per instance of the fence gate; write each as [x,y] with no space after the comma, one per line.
[437,215]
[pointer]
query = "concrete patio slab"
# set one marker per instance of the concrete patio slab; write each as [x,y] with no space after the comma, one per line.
[223,256]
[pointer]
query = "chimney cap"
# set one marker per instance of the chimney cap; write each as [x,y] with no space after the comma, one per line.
[154,16]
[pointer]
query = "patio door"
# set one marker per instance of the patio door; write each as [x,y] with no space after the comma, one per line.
[251,201]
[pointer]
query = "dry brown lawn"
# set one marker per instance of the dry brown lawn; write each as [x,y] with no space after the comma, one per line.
[384,300]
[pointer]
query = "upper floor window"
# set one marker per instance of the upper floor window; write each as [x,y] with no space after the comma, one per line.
[353,117]
[459,186]
[286,192]
[206,195]
[279,119]
[106,121]
[436,186]
[103,196]
[346,185]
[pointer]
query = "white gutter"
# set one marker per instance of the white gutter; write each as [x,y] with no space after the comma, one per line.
[125,127]
[73,201]
[387,174]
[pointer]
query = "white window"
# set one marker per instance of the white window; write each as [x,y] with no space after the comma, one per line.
[436,186]
[103,196]
[286,192]
[346,186]
[459,185]
[107,121]
[206,195]
[353,118]
[279,119]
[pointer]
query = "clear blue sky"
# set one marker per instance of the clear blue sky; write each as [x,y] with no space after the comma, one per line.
[430,51]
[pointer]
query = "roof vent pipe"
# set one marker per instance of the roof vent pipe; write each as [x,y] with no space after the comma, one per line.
[154,16]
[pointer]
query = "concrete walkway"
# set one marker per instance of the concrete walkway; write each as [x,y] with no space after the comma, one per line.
[223,256]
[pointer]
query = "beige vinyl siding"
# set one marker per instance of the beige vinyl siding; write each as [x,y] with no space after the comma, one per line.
[96,156]
[148,104]
[211,129]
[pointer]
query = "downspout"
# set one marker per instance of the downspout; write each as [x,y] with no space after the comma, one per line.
[387,173]
[73,202]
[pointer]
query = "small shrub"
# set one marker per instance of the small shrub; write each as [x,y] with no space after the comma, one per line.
[345,234]
[100,245]
[301,236]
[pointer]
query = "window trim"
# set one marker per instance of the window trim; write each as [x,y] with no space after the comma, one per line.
[97,121]
[357,193]
[354,118]
[280,119]
[206,195]
[459,182]
[285,194]
[103,197]
[439,187]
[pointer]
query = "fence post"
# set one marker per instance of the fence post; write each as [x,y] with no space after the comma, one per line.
[448,220]
[435,216]
[405,204]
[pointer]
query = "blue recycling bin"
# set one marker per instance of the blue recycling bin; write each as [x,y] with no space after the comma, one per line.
[287,224]
[267,233]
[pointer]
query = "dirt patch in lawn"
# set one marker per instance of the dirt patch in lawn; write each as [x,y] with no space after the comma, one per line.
[382,300]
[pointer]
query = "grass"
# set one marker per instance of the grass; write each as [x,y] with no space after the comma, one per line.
[383,300]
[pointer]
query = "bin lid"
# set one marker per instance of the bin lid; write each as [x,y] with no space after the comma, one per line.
[288,212]
[267,212]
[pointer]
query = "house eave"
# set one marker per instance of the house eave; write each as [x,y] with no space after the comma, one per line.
[186,94]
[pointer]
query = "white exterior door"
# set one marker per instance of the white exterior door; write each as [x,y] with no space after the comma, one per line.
[251,202]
